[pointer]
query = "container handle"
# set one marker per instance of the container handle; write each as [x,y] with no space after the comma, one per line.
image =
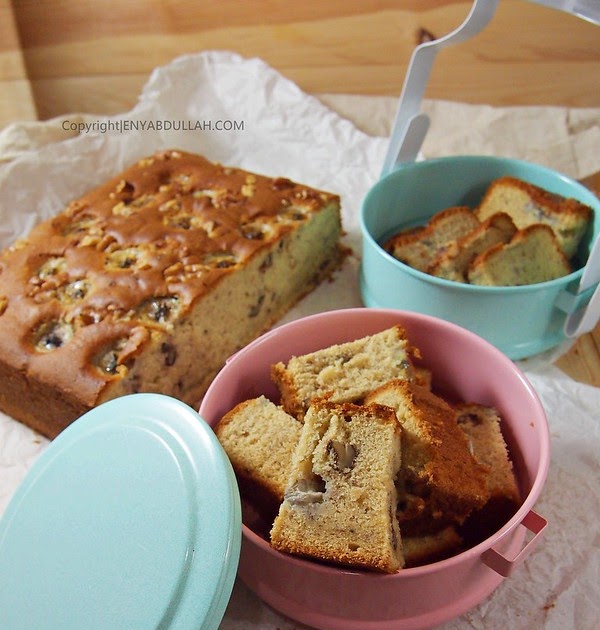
[585,319]
[585,9]
[502,565]
[410,126]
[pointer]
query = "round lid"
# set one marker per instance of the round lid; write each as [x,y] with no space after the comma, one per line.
[130,519]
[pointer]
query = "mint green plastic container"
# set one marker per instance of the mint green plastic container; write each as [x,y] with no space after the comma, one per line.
[520,321]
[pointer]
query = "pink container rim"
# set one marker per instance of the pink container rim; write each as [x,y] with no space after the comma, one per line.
[304,333]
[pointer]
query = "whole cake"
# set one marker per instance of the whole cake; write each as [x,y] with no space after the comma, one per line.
[150,281]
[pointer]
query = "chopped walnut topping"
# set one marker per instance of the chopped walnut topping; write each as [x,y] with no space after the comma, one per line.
[282,183]
[146,162]
[83,223]
[123,210]
[171,205]
[106,244]
[124,187]
[142,200]
[256,231]
[248,190]
[220,260]
[292,213]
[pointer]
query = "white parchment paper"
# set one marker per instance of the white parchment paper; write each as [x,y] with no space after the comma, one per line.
[241,112]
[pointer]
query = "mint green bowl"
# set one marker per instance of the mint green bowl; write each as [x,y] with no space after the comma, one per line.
[520,321]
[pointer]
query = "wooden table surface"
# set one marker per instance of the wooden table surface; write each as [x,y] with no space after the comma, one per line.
[64,56]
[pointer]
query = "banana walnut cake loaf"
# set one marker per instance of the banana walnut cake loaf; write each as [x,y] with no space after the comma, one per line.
[150,281]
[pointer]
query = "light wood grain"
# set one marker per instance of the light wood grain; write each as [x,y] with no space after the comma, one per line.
[65,56]
[16,98]
[95,56]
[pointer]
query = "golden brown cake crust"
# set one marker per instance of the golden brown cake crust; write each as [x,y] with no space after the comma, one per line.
[529,204]
[259,439]
[419,247]
[114,275]
[343,372]
[532,255]
[435,457]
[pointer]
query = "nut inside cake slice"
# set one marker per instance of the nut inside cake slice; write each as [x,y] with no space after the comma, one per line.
[340,501]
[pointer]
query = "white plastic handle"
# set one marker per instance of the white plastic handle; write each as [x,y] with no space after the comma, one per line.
[410,126]
[502,565]
[585,319]
[586,9]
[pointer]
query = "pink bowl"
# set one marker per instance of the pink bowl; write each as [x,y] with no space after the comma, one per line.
[464,365]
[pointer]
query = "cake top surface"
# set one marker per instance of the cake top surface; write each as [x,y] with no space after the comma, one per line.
[135,253]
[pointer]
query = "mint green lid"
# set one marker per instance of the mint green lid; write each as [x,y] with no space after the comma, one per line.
[129,519]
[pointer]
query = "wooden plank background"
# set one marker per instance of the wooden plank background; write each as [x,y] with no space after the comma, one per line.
[93,56]
[16,97]
[64,56]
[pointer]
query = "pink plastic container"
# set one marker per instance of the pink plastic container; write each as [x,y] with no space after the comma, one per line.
[469,368]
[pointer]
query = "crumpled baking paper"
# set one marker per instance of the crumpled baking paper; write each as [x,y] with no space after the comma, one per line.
[242,112]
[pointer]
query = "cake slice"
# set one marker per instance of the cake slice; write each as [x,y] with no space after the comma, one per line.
[482,426]
[453,262]
[259,439]
[423,549]
[528,204]
[533,255]
[150,281]
[419,247]
[343,372]
[340,503]
[436,462]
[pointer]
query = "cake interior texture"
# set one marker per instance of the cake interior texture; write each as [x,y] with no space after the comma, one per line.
[340,500]
[150,281]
